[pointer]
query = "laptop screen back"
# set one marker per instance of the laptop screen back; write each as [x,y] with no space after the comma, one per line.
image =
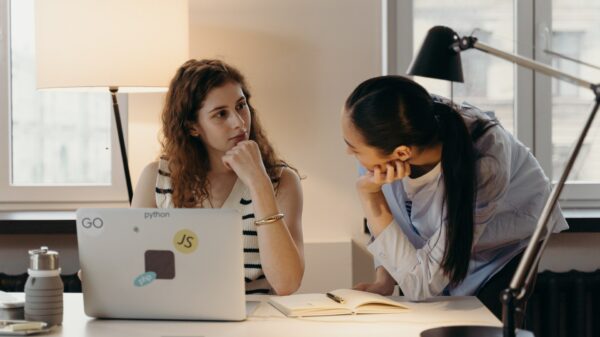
[162,263]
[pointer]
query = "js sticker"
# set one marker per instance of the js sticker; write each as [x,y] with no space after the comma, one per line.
[185,241]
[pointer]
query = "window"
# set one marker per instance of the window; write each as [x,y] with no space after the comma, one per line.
[491,22]
[568,44]
[575,33]
[545,114]
[58,145]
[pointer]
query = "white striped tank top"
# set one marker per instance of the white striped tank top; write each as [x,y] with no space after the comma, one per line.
[238,199]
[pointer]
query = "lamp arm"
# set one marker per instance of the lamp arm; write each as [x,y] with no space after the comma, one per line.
[469,42]
[531,64]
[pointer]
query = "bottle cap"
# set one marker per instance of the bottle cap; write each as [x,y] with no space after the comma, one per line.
[43,259]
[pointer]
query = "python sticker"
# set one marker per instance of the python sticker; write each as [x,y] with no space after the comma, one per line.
[185,241]
[144,279]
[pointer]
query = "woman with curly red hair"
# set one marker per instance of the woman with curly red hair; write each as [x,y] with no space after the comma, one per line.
[216,155]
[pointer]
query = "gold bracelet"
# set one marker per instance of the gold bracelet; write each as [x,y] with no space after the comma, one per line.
[269,219]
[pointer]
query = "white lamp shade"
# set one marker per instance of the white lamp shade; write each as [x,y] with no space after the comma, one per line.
[135,45]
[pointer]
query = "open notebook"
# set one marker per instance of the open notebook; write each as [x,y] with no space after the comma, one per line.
[354,302]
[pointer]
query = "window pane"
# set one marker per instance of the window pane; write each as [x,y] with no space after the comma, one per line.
[57,138]
[489,81]
[576,33]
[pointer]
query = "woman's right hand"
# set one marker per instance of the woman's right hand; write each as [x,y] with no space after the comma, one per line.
[246,161]
[384,283]
[372,181]
[376,287]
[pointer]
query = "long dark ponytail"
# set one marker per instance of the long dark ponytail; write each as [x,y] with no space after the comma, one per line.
[390,111]
[458,165]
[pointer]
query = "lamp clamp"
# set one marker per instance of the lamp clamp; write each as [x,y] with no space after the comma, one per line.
[464,43]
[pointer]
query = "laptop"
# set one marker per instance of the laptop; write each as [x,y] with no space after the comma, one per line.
[181,264]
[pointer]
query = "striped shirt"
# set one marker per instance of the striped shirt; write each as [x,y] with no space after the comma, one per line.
[238,199]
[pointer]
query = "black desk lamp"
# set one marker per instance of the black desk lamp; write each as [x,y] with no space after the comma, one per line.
[439,58]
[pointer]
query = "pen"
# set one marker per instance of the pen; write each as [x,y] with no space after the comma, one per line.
[336,298]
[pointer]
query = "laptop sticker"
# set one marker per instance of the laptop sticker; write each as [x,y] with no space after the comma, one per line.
[144,279]
[91,225]
[185,241]
[161,263]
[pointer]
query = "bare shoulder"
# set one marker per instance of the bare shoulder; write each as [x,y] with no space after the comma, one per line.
[149,172]
[151,168]
[288,176]
[144,190]
[289,183]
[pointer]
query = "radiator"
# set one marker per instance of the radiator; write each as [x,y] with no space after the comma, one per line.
[565,305]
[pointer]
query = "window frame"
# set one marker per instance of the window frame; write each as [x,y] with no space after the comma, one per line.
[574,194]
[51,197]
[533,91]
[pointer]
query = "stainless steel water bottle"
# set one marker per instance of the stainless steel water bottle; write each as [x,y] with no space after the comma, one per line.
[44,288]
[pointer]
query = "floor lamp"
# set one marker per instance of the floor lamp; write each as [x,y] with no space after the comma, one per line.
[439,57]
[110,46]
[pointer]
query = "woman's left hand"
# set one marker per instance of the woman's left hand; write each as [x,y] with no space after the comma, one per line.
[246,161]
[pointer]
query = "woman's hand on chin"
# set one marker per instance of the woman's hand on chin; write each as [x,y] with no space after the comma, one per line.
[246,161]
[372,181]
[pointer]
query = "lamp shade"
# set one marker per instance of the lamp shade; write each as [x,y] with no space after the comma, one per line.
[436,58]
[135,45]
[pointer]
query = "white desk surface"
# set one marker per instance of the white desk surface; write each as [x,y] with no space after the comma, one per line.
[268,321]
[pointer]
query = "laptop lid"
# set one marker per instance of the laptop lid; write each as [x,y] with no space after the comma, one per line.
[162,263]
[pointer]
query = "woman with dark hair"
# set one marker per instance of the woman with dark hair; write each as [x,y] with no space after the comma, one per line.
[451,198]
[215,154]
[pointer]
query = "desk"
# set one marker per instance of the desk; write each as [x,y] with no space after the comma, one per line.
[268,321]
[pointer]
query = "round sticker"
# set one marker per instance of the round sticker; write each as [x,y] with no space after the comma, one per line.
[185,241]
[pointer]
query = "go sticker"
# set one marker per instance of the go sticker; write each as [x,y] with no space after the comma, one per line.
[144,279]
[185,241]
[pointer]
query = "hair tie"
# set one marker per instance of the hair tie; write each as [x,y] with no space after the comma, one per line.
[436,112]
[438,119]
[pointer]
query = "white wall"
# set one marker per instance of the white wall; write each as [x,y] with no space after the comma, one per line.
[572,251]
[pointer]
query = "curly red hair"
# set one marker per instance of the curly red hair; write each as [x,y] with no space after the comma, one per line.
[187,156]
